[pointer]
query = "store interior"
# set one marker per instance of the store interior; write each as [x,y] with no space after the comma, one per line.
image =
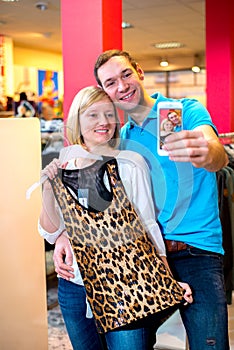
[32,61]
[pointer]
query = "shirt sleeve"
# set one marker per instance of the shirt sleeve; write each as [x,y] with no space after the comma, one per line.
[135,176]
[52,237]
[195,114]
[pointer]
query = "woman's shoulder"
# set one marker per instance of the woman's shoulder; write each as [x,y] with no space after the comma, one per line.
[131,158]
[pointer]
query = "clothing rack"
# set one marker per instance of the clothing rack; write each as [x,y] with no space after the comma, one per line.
[227,134]
[226,138]
[225,182]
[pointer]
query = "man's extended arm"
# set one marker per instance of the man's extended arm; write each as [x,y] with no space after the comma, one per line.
[200,146]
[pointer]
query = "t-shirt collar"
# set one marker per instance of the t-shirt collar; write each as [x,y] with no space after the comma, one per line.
[152,114]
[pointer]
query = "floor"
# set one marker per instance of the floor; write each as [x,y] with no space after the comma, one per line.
[170,336]
[57,335]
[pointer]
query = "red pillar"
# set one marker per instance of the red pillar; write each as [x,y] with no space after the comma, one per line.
[220,63]
[89,27]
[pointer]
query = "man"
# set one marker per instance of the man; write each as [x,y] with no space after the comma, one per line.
[175,119]
[185,194]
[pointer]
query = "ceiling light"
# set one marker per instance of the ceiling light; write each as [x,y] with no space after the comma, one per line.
[41,5]
[168,45]
[197,62]
[126,25]
[196,69]
[10,0]
[164,62]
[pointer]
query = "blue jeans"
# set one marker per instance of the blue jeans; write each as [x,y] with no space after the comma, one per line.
[206,319]
[137,339]
[140,335]
[81,330]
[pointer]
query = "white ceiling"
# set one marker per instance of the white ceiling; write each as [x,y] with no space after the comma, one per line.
[153,20]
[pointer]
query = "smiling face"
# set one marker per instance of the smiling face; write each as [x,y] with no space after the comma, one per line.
[98,123]
[168,126]
[122,82]
[174,118]
[92,119]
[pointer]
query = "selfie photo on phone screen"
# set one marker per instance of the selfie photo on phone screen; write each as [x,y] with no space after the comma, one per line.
[169,121]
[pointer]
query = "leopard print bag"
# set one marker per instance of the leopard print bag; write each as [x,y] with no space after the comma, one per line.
[124,277]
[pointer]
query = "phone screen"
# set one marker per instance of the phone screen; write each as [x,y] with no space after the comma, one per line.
[169,121]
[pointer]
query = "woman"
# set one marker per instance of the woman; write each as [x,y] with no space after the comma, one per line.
[94,183]
[166,128]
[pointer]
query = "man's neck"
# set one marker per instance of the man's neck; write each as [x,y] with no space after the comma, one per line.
[143,110]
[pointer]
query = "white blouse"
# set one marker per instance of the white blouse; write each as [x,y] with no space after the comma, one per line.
[135,177]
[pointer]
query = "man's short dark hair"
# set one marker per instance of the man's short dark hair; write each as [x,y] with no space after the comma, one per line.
[106,55]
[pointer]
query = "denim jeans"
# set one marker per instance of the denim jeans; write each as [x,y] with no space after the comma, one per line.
[139,335]
[206,319]
[137,339]
[81,330]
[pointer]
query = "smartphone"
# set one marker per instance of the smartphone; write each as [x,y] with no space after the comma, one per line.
[169,120]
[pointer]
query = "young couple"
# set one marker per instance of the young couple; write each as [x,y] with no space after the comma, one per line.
[184,184]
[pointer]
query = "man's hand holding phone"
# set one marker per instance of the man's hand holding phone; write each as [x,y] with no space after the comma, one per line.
[187,146]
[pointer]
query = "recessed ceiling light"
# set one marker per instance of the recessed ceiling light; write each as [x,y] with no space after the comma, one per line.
[196,69]
[126,25]
[164,62]
[168,45]
[41,5]
[197,63]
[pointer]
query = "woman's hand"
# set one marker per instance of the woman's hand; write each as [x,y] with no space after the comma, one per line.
[51,170]
[187,292]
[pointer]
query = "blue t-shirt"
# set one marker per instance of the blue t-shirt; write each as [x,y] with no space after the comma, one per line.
[185,197]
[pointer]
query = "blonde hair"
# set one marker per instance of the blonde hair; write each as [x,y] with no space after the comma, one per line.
[83,100]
